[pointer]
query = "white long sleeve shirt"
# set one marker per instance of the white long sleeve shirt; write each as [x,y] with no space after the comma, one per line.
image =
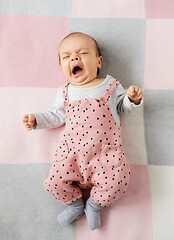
[56,115]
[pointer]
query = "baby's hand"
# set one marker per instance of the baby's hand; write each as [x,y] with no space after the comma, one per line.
[135,94]
[29,121]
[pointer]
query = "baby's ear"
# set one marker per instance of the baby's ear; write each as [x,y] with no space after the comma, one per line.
[100,60]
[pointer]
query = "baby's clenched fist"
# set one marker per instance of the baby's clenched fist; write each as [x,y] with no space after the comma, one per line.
[135,94]
[29,121]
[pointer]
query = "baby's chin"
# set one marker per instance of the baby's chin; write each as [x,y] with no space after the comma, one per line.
[80,82]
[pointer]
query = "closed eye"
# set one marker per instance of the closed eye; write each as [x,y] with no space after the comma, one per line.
[83,53]
[66,57]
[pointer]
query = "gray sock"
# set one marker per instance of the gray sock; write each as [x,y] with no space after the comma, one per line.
[71,213]
[92,212]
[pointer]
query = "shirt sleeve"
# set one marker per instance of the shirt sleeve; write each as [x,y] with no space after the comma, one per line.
[123,104]
[53,117]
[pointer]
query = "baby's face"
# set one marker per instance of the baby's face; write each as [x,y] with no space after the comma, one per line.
[79,60]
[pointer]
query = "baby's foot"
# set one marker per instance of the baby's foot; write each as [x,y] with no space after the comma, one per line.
[71,213]
[92,212]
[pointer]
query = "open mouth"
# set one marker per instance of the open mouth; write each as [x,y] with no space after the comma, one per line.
[77,70]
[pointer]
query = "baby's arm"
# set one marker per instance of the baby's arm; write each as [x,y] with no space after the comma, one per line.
[52,118]
[127,101]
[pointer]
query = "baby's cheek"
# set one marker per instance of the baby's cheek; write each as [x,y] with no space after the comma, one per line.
[66,71]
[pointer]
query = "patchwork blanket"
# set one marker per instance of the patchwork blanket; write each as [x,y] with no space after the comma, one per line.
[136,40]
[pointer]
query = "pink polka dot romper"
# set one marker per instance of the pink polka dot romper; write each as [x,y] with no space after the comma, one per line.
[90,153]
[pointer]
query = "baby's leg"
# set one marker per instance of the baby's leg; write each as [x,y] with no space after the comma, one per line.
[61,186]
[60,183]
[71,213]
[92,211]
[110,185]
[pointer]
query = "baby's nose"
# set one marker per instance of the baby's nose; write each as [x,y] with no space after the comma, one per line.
[75,58]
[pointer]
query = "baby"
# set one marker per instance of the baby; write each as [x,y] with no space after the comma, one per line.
[89,153]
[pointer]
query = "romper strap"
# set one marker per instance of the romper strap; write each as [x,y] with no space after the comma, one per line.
[65,94]
[110,89]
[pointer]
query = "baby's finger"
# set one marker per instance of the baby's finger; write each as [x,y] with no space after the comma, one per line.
[31,118]
[136,90]
[140,93]
[25,118]
[138,98]
[131,91]
[28,127]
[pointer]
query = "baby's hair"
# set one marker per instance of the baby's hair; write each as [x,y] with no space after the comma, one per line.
[73,34]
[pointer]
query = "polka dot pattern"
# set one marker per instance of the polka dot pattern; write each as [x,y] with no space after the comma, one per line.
[90,153]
